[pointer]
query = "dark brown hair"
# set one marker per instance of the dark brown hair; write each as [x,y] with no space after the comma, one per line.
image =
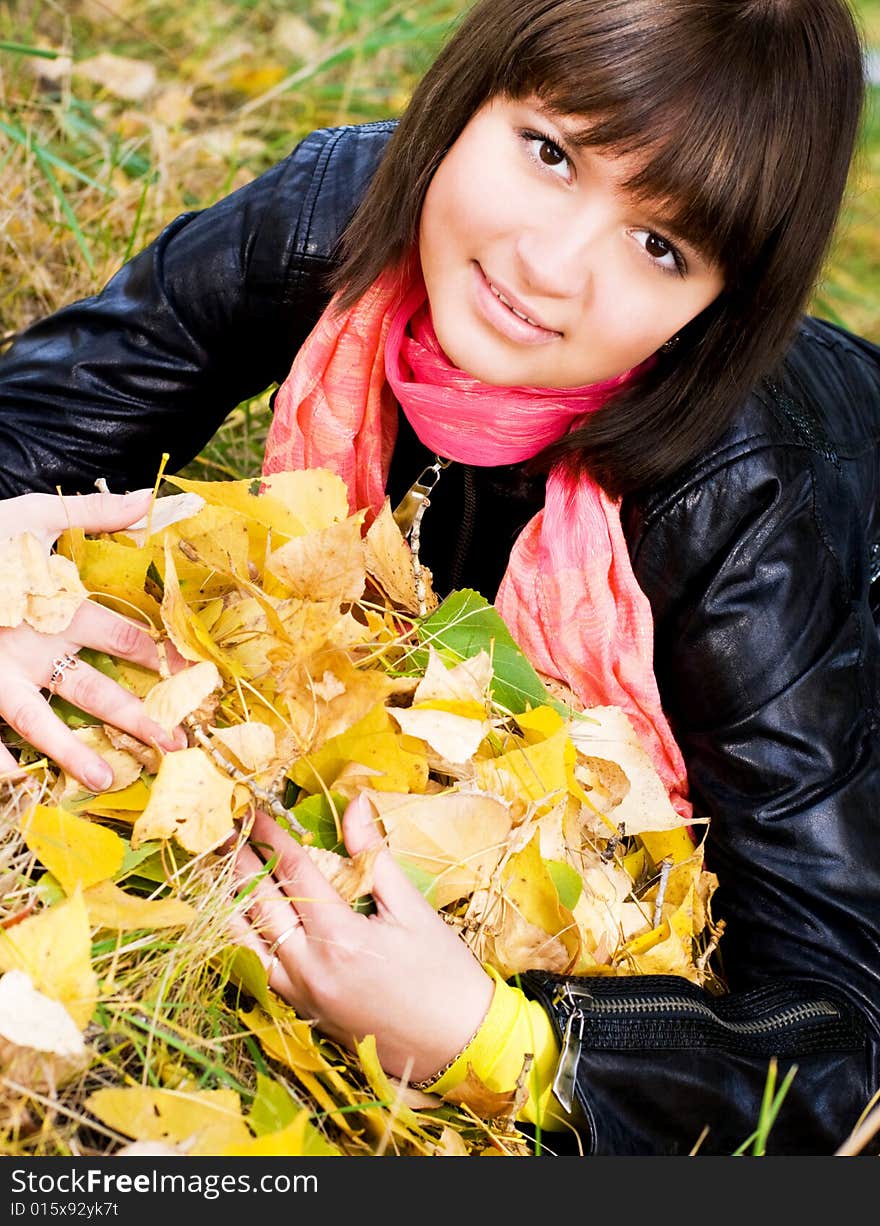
[746,113]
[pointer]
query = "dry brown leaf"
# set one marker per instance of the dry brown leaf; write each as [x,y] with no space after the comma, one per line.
[147,756]
[389,564]
[252,744]
[40,1044]
[190,801]
[606,732]
[41,589]
[351,876]
[498,933]
[121,76]
[171,700]
[323,565]
[502,1106]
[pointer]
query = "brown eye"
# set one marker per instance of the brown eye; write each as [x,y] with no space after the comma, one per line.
[550,154]
[657,247]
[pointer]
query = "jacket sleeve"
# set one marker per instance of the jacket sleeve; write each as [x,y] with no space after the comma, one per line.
[767,658]
[201,320]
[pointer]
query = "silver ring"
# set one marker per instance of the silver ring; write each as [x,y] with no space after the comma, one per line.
[270,969]
[59,667]
[279,940]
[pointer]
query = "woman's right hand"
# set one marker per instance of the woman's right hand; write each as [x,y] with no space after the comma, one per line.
[28,658]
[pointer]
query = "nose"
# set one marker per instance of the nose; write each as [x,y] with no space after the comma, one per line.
[557,257]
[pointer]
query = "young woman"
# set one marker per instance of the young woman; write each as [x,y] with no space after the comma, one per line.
[577,268]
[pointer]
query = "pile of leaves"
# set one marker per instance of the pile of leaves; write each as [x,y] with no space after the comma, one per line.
[128,1015]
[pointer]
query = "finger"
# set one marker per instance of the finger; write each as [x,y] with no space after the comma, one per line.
[103,630]
[266,900]
[101,696]
[98,512]
[28,712]
[319,905]
[270,913]
[393,892]
[46,516]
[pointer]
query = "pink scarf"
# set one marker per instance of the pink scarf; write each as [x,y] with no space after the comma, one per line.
[569,595]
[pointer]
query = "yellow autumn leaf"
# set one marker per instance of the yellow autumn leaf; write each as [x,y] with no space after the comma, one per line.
[111,907]
[251,744]
[457,838]
[606,732]
[387,1094]
[36,587]
[533,773]
[317,497]
[327,695]
[539,724]
[116,574]
[215,539]
[524,926]
[207,1121]
[374,743]
[245,498]
[286,1038]
[190,801]
[170,700]
[456,738]
[76,852]
[54,949]
[676,845]
[183,624]
[300,1139]
[327,564]
[125,803]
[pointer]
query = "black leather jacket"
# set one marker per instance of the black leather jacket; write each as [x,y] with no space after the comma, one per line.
[757,560]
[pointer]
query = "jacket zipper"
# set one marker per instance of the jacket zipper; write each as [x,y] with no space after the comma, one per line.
[466,531]
[565,1079]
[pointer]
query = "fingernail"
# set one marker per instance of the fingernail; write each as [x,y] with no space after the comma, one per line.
[99,778]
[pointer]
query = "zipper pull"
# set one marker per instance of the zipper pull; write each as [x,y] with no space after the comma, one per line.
[417,495]
[563,1082]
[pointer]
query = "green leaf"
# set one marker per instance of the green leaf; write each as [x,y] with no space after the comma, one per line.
[466,624]
[420,878]
[273,1107]
[568,882]
[316,814]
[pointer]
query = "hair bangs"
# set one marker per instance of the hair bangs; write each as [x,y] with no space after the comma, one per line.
[719,139]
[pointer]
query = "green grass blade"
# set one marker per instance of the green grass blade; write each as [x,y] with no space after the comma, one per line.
[68,212]
[23,138]
[42,53]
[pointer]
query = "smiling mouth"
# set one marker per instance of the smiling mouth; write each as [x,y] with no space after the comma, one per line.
[498,294]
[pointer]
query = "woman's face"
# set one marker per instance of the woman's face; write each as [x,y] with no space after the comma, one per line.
[518,221]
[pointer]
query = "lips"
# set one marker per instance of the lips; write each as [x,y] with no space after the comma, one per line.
[507,314]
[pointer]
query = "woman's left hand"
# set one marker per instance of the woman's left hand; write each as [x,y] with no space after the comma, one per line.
[401,974]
